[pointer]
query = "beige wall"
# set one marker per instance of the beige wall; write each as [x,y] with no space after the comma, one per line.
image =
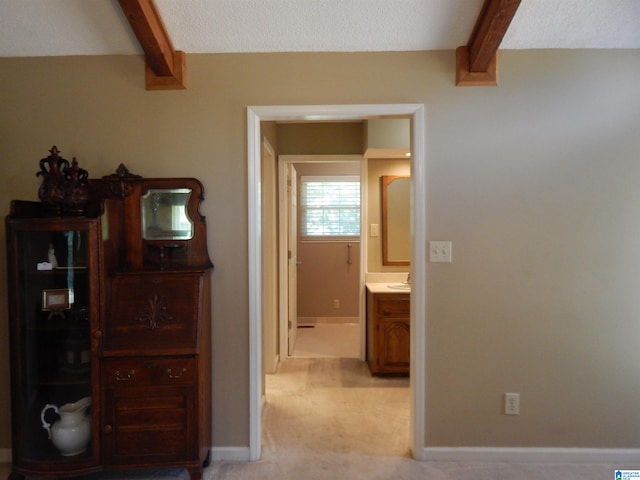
[535,182]
[321,138]
[325,276]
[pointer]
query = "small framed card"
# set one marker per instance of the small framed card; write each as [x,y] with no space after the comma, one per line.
[55,299]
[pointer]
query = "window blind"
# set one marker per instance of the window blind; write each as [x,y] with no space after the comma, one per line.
[329,206]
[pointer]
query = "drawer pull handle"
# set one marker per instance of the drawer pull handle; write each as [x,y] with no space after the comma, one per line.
[170,373]
[126,377]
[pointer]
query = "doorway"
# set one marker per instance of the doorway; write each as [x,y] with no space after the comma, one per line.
[320,273]
[257,114]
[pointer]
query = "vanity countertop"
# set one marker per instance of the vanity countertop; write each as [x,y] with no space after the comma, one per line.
[387,287]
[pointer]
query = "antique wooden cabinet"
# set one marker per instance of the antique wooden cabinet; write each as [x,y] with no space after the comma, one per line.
[388,332]
[110,314]
[155,351]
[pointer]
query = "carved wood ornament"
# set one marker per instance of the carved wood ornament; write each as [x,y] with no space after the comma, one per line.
[156,315]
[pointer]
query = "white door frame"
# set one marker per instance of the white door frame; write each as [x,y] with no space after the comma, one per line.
[257,114]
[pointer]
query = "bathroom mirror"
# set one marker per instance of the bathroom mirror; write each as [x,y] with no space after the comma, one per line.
[164,214]
[396,210]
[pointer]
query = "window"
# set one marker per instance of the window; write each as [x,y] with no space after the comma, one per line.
[329,206]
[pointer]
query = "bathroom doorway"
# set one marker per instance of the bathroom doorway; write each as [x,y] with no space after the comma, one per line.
[320,258]
[257,114]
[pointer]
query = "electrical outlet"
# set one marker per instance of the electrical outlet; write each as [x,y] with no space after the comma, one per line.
[512,404]
[336,303]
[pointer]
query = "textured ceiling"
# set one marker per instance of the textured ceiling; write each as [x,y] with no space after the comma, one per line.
[98,27]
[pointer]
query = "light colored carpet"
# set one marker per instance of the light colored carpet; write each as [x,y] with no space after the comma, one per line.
[333,405]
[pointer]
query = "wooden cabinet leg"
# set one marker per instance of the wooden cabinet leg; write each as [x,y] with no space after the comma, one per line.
[195,473]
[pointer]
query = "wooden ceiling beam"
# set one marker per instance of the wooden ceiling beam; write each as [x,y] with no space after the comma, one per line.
[477,62]
[165,67]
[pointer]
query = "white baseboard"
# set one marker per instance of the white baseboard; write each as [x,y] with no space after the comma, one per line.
[325,320]
[5,455]
[230,454]
[614,456]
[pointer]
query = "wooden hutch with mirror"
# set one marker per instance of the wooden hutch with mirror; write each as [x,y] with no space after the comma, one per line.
[110,330]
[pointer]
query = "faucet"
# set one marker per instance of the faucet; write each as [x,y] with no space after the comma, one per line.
[408,281]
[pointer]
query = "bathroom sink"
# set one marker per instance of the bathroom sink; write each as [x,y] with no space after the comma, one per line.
[399,286]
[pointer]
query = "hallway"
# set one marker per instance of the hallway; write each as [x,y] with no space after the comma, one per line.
[325,399]
[333,405]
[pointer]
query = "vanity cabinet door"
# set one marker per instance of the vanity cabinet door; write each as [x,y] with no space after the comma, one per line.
[393,344]
[388,333]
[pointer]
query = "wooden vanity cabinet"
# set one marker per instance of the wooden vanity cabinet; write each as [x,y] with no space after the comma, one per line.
[388,332]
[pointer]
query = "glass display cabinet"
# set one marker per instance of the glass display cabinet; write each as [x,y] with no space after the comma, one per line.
[54,292]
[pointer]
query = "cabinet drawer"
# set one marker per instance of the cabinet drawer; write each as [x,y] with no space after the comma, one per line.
[149,371]
[393,305]
[155,313]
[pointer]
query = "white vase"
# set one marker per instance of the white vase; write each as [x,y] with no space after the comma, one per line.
[70,434]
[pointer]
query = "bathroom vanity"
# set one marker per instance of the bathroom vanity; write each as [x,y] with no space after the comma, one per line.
[388,328]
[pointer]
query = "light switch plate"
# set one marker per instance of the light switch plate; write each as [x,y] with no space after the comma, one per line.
[440,251]
[512,404]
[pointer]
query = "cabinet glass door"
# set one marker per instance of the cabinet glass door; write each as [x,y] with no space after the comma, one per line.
[55,299]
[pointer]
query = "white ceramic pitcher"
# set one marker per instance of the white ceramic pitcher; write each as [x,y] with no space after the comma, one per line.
[70,434]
